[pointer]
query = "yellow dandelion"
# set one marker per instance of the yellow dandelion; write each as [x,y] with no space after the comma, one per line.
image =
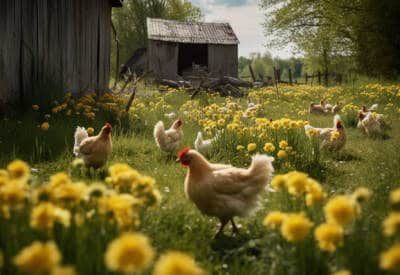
[315,193]
[239,148]
[129,253]
[38,258]
[45,126]
[361,194]
[251,147]
[296,183]
[334,135]
[45,215]
[18,170]
[282,154]
[269,147]
[390,259]
[394,197]
[176,263]
[296,227]
[59,179]
[391,224]
[283,144]
[329,236]
[279,181]
[274,219]
[90,130]
[340,210]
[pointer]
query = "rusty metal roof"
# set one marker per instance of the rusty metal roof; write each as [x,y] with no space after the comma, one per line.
[190,32]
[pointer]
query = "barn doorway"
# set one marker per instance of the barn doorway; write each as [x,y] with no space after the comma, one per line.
[189,54]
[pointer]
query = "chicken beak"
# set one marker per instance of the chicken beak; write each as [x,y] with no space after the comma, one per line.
[177,160]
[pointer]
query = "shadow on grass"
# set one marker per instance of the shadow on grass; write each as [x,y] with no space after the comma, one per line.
[226,245]
[346,156]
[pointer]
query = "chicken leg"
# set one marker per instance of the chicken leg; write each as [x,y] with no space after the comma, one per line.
[221,229]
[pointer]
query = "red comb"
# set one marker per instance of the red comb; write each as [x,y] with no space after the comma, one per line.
[183,152]
[108,125]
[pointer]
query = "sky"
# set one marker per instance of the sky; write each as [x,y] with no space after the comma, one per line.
[246,18]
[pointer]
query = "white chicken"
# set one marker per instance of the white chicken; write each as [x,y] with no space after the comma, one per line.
[328,107]
[315,108]
[336,108]
[204,145]
[93,150]
[334,138]
[371,125]
[168,140]
[224,191]
[171,115]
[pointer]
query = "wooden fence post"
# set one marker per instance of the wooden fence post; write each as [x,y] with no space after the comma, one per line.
[319,78]
[290,77]
[326,76]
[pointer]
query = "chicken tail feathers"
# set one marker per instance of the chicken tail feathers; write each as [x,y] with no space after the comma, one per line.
[159,134]
[199,141]
[80,135]
[262,165]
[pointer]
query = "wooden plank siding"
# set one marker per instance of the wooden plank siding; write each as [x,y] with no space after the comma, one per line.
[163,59]
[67,41]
[223,60]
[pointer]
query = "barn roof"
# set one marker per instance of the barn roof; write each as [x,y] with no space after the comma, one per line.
[190,32]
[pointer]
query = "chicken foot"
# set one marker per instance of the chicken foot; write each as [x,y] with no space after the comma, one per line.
[235,229]
[224,222]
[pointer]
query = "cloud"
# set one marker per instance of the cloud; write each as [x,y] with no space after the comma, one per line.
[246,18]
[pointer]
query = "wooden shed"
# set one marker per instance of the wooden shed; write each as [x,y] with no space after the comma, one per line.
[174,46]
[64,41]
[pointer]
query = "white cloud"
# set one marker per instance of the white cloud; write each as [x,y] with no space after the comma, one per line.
[246,20]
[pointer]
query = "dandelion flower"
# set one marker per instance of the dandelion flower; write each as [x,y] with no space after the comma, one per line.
[390,259]
[334,135]
[282,154]
[90,130]
[269,147]
[361,194]
[394,197]
[279,181]
[296,227]
[251,147]
[296,183]
[315,194]
[45,215]
[38,258]
[342,272]
[329,236]
[283,144]
[129,253]
[176,263]
[391,224]
[239,148]
[274,219]
[45,126]
[18,170]
[340,210]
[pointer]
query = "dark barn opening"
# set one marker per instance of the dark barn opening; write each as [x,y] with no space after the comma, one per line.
[189,54]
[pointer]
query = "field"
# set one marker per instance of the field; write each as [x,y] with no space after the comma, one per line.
[43,137]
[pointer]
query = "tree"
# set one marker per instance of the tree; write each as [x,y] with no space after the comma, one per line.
[365,31]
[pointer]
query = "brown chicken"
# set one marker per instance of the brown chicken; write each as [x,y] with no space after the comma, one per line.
[224,191]
[93,150]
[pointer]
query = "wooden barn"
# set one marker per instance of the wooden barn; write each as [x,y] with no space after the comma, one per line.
[64,41]
[173,47]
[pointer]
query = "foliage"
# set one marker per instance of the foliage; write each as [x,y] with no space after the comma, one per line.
[361,31]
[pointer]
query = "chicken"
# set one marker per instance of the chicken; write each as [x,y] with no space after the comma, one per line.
[224,191]
[168,140]
[336,108]
[317,108]
[328,107]
[93,150]
[370,124]
[334,138]
[171,115]
[202,145]
[373,108]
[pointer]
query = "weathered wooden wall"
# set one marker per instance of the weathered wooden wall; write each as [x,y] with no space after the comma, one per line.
[67,41]
[162,58]
[223,59]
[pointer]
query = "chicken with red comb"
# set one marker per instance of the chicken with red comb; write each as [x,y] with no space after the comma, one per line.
[168,140]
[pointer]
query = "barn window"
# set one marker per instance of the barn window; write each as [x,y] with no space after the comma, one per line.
[189,54]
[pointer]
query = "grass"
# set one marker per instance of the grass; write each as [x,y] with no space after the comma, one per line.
[178,225]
